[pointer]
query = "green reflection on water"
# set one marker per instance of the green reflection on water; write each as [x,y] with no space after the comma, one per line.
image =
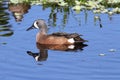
[5,27]
[20,7]
[54,14]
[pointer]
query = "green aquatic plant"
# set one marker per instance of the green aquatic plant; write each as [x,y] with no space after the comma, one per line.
[116,10]
[62,4]
[18,1]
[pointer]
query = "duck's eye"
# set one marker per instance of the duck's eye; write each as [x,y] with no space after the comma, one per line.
[37,23]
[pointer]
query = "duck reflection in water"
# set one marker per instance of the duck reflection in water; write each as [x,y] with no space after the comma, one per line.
[55,41]
[42,55]
[19,10]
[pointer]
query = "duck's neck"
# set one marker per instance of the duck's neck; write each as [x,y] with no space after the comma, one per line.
[40,35]
[43,31]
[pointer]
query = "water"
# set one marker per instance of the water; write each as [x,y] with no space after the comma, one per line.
[88,64]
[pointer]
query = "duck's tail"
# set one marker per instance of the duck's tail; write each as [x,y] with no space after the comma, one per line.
[76,37]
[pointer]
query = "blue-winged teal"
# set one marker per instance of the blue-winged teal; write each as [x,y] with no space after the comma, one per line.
[55,38]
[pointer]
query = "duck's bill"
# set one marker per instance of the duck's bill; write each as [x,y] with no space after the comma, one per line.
[30,28]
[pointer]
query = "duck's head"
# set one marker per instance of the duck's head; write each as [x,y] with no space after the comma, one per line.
[38,24]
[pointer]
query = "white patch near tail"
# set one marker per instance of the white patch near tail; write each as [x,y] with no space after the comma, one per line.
[36,58]
[71,40]
[71,47]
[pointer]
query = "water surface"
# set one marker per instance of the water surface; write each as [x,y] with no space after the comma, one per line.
[86,64]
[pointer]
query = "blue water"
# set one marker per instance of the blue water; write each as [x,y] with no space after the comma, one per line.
[88,64]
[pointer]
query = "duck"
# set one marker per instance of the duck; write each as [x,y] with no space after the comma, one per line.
[58,38]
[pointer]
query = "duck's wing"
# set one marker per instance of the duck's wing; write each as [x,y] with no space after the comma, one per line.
[59,34]
[71,35]
[75,36]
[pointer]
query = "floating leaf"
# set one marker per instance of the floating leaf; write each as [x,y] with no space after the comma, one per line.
[112,50]
[101,54]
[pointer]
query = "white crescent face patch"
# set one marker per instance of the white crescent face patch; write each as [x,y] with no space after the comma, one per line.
[35,24]
[36,58]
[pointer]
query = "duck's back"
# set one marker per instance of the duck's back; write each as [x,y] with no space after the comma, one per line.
[75,36]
